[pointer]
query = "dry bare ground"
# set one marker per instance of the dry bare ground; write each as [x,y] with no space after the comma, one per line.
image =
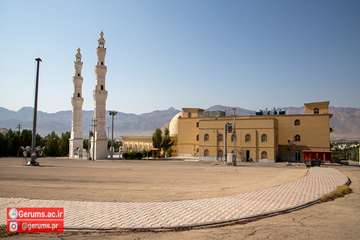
[338,219]
[136,181]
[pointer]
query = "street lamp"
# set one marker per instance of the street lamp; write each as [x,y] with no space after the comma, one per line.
[112,114]
[33,161]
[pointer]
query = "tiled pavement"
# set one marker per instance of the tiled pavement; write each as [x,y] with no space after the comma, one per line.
[189,213]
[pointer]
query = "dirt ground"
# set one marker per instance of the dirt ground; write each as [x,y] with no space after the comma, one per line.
[134,181]
[339,219]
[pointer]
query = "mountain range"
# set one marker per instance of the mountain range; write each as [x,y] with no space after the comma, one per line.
[345,120]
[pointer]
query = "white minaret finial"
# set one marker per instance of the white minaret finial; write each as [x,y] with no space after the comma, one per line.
[101,40]
[76,139]
[99,142]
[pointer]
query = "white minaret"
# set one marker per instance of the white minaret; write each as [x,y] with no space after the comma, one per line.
[99,147]
[76,139]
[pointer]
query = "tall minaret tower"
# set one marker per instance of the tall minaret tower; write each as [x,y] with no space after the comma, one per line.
[99,141]
[76,139]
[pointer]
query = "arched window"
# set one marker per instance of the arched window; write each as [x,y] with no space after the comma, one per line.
[197,124]
[189,114]
[247,138]
[297,122]
[220,137]
[264,155]
[297,138]
[264,138]
[197,137]
[316,111]
[206,153]
[206,137]
[233,138]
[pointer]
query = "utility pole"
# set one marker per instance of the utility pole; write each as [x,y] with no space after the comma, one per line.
[19,128]
[233,139]
[112,114]
[33,161]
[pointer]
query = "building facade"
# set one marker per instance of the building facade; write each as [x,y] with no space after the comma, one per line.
[271,136]
[136,143]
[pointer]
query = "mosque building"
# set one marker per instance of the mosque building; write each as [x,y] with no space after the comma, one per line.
[210,135]
[275,136]
[271,136]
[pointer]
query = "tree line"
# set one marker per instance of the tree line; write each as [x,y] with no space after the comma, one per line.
[52,144]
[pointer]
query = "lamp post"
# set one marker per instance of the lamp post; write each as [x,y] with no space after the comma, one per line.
[33,161]
[112,114]
[233,138]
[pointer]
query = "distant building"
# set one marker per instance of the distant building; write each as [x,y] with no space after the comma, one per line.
[136,143]
[3,130]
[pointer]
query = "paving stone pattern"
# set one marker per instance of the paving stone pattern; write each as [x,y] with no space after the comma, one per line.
[189,213]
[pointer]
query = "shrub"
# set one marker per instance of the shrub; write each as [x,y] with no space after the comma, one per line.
[340,191]
[133,155]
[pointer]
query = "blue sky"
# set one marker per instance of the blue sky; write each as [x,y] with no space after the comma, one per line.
[251,54]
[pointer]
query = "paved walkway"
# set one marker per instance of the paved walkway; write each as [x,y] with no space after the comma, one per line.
[189,213]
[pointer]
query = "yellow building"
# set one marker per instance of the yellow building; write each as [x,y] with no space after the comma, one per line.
[136,143]
[273,136]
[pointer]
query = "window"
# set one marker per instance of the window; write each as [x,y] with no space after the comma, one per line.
[206,153]
[316,111]
[189,114]
[264,155]
[78,94]
[297,138]
[263,138]
[297,122]
[197,137]
[197,124]
[102,63]
[247,138]
[102,87]
[220,153]
[220,137]
[206,137]
[78,74]
[233,138]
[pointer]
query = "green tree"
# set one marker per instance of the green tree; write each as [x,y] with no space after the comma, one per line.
[52,141]
[167,143]
[86,144]
[157,140]
[64,144]
[26,137]
[3,145]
